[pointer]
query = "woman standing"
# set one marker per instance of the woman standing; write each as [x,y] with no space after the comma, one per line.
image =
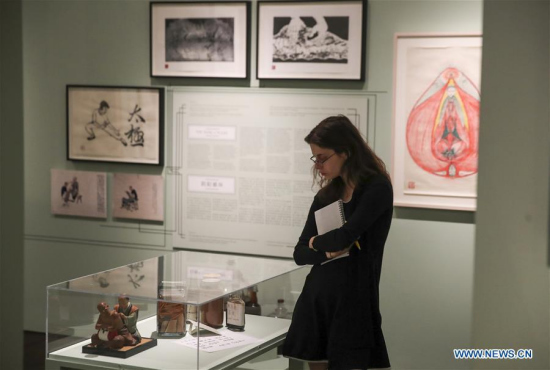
[336,322]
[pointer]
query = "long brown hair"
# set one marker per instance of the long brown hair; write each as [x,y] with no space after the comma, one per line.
[339,134]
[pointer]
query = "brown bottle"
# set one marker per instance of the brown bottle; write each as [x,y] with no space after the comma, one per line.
[252,306]
[235,318]
[212,313]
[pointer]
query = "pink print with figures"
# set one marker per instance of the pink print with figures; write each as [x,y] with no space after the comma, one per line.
[443,126]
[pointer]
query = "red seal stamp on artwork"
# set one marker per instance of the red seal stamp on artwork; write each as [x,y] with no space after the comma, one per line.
[273,67]
[166,66]
[411,185]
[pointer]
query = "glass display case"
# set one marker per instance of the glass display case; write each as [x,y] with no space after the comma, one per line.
[171,312]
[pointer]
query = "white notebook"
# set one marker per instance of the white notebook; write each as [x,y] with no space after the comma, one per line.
[329,218]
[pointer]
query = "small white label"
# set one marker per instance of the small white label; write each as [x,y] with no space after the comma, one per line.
[227,133]
[211,184]
[235,314]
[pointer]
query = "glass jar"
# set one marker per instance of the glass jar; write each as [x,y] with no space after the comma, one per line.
[170,315]
[280,312]
[211,313]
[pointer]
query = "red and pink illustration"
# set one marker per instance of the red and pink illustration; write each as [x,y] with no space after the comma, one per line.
[443,126]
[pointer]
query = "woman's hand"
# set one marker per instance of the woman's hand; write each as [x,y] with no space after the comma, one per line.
[331,255]
[311,243]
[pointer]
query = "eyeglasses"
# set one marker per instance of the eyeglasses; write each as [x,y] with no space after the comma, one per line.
[320,161]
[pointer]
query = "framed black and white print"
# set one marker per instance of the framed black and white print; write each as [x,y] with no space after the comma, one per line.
[200,39]
[321,40]
[115,124]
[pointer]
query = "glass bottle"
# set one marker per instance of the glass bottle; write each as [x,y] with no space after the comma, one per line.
[280,312]
[252,306]
[234,319]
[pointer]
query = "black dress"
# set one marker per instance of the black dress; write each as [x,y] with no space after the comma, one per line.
[337,317]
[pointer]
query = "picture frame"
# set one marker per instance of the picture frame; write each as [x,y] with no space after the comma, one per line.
[312,40]
[436,102]
[200,39]
[120,124]
[78,193]
[138,197]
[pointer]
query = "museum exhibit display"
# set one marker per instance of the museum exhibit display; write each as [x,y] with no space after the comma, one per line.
[436,120]
[115,124]
[236,170]
[200,39]
[168,312]
[320,40]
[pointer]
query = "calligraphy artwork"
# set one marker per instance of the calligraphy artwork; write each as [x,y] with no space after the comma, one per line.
[436,120]
[115,124]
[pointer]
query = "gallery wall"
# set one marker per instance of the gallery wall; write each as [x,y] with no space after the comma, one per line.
[427,277]
[512,290]
[84,42]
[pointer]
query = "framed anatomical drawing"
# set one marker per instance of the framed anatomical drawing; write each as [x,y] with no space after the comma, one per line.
[436,120]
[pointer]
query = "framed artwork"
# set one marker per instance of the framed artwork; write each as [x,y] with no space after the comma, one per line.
[139,197]
[78,193]
[321,40]
[436,120]
[206,39]
[115,124]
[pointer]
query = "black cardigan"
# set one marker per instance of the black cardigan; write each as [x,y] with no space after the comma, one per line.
[371,206]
